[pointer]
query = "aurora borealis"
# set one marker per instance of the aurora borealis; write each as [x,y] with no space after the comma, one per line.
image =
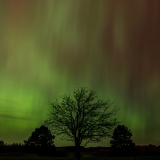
[49,47]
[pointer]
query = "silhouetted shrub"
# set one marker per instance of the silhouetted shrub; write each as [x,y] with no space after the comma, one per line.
[2,146]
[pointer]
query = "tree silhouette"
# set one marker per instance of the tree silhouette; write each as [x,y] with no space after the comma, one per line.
[40,140]
[82,117]
[2,145]
[121,138]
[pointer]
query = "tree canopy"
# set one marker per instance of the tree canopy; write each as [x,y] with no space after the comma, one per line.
[121,137]
[82,117]
[1,143]
[40,137]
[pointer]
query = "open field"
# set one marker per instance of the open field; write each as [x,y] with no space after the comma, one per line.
[85,158]
[72,158]
[95,158]
[24,156]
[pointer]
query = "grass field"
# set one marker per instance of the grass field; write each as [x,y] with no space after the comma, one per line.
[23,156]
[85,158]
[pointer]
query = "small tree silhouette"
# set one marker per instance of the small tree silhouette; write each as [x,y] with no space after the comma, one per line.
[40,141]
[121,137]
[2,145]
[122,140]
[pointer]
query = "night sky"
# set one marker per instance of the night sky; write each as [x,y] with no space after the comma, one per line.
[49,47]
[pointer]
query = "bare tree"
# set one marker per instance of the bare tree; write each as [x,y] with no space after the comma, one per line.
[82,117]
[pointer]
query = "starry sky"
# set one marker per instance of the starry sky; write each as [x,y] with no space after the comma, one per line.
[49,47]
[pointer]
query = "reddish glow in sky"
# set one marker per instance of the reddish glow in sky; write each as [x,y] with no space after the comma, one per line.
[49,47]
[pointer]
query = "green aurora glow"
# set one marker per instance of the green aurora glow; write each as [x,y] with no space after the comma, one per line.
[49,47]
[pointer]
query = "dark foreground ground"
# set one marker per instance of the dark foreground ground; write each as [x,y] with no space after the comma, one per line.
[24,156]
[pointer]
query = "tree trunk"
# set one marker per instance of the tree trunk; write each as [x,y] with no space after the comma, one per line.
[77,144]
[78,153]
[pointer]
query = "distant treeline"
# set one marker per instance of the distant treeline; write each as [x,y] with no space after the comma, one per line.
[147,150]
